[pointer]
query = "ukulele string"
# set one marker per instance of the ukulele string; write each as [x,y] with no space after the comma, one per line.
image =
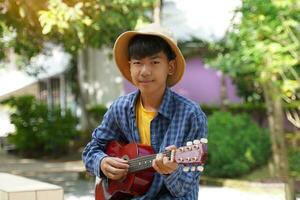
[144,161]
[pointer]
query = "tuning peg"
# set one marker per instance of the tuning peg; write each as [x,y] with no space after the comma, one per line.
[186,169]
[193,168]
[200,168]
[196,142]
[203,140]
[189,143]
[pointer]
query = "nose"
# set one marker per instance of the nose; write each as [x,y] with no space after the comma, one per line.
[145,71]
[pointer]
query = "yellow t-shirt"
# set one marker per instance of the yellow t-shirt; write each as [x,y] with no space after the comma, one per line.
[144,119]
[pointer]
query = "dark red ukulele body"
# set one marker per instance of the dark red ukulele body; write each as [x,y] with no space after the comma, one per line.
[136,183]
[140,173]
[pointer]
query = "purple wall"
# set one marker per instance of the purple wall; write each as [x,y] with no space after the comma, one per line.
[200,84]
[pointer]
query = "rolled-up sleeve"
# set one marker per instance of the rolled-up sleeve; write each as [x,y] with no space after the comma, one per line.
[94,152]
[180,182]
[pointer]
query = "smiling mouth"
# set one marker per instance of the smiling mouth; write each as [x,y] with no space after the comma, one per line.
[148,81]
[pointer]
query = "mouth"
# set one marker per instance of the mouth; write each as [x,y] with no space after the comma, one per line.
[145,81]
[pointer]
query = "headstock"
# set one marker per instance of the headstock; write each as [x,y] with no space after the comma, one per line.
[193,154]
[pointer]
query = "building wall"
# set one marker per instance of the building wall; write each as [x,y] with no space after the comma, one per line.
[103,80]
[32,89]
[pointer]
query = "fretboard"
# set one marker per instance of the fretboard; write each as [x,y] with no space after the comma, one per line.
[143,162]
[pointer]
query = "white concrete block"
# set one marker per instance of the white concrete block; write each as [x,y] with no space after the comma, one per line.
[22,196]
[14,187]
[50,194]
[3,195]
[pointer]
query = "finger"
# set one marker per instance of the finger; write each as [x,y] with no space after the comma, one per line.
[120,160]
[166,161]
[114,173]
[157,162]
[118,163]
[115,176]
[114,161]
[115,170]
[156,167]
[112,166]
[172,147]
[159,166]
[169,165]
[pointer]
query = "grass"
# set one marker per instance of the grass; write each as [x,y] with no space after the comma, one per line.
[261,174]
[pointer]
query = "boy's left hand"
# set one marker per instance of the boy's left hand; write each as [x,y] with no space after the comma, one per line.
[163,165]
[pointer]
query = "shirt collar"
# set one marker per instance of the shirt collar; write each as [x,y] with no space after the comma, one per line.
[134,100]
[165,108]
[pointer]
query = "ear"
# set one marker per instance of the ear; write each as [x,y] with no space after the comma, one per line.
[129,62]
[171,69]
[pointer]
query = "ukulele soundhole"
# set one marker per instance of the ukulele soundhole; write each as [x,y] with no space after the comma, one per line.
[125,157]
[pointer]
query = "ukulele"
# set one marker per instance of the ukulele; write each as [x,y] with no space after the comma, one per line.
[140,172]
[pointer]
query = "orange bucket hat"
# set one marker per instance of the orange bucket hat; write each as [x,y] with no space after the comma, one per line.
[120,51]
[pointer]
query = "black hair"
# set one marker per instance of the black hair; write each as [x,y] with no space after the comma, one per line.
[141,46]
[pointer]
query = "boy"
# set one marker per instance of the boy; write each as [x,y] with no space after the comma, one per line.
[153,115]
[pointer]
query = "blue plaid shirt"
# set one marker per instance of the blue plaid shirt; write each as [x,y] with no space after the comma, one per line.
[178,120]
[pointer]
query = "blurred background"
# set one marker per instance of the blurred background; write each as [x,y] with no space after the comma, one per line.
[57,79]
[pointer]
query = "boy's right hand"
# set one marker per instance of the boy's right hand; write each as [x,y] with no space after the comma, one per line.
[114,168]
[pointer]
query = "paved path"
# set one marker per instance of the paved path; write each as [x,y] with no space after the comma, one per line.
[217,193]
[213,193]
[12,164]
[66,175]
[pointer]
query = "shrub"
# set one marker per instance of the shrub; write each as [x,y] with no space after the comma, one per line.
[294,162]
[39,130]
[250,108]
[236,145]
[96,112]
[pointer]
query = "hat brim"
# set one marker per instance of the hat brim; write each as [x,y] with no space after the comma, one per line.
[120,51]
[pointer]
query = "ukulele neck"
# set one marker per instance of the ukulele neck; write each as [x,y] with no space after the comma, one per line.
[144,162]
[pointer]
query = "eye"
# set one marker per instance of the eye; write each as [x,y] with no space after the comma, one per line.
[136,63]
[156,62]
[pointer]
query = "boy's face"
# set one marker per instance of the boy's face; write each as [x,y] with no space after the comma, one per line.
[150,74]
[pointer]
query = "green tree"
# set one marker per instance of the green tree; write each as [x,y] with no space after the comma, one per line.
[263,45]
[75,24]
